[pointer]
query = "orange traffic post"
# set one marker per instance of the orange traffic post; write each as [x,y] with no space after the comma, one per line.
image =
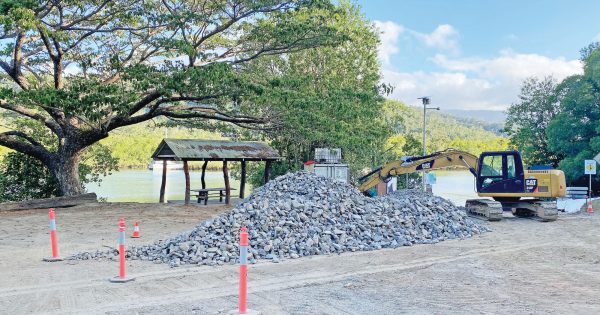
[121,277]
[243,270]
[242,303]
[53,237]
[590,208]
[136,230]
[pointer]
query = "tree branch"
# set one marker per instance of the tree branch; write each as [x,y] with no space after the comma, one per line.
[144,102]
[7,139]
[51,124]
[87,16]
[24,136]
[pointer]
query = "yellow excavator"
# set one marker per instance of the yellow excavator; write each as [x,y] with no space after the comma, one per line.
[499,175]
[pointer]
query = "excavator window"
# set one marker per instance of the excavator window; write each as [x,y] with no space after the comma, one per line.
[510,166]
[491,170]
[492,166]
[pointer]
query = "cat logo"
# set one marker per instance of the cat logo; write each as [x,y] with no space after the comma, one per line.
[531,185]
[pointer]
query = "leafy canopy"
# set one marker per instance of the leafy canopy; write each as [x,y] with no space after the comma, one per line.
[527,120]
[575,131]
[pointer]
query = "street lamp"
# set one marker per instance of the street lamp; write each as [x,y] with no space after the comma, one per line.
[426,101]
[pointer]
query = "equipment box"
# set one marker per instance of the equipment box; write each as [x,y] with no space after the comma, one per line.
[335,171]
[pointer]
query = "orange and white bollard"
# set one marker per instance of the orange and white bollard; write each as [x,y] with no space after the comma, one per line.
[242,306]
[590,209]
[243,270]
[121,277]
[53,237]
[136,230]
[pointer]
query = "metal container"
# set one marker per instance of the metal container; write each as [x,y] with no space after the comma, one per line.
[335,171]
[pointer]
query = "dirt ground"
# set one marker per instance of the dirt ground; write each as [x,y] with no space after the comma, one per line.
[522,267]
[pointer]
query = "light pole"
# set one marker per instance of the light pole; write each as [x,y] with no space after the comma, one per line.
[426,101]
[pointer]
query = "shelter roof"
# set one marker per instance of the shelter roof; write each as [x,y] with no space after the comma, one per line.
[214,150]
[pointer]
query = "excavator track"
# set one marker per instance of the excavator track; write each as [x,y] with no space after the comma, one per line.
[527,208]
[535,208]
[490,209]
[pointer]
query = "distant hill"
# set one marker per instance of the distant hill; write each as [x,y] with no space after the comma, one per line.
[445,130]
[490,120]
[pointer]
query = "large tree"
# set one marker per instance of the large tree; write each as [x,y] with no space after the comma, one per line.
[575,132]
[527,120]
[82,68]
[327,97]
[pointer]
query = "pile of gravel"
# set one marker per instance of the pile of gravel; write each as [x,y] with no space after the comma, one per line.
[301,214]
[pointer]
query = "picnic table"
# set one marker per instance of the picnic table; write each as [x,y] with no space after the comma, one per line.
[203,194]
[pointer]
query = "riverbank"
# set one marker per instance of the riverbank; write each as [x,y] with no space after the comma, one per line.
[137,185]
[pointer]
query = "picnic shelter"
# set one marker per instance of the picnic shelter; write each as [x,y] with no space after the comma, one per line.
[212,150]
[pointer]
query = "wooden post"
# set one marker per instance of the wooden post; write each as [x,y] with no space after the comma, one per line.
[163,184]
[227,187]
[267,170]
[203,172]
[186,172]
[243,180]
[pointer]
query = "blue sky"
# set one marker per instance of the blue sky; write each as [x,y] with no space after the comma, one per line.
[473,54]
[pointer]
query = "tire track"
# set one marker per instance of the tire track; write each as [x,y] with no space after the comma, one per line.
[222,281]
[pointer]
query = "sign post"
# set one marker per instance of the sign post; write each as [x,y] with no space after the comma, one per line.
[590,169]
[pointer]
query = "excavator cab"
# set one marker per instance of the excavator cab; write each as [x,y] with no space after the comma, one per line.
[500,172]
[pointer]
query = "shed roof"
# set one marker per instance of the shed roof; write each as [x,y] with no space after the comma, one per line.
[214,150]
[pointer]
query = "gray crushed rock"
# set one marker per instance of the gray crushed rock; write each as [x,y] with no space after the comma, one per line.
[301,214]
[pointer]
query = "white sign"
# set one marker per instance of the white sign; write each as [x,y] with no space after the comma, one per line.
[590,167]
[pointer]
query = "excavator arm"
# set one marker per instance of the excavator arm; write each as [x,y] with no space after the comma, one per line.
[434,161]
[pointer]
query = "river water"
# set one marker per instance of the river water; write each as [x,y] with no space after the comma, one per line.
[144,185]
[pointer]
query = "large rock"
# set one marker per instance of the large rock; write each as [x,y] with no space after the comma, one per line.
[301,214]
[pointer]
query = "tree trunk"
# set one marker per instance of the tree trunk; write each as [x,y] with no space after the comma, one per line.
[65,169]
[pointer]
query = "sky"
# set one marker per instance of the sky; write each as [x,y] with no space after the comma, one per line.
[474,54]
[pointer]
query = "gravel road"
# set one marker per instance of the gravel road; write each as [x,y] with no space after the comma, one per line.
[523,266]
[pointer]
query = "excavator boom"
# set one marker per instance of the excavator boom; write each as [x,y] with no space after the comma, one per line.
[434,161]
[502,177]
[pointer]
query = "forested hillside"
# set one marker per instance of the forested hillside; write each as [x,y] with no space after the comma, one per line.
[443,131]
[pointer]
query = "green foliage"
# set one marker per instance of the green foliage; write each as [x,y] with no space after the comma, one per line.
[96,163]
[133,145]
[23,177]
[588,50]
[443,132]
[527,120]
[575,132]
[325,97]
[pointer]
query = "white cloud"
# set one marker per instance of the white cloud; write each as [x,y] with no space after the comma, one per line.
[389,35]
[464,82]
[477,83]
[443,37]
[597,37]
[511,66]
[446,89]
